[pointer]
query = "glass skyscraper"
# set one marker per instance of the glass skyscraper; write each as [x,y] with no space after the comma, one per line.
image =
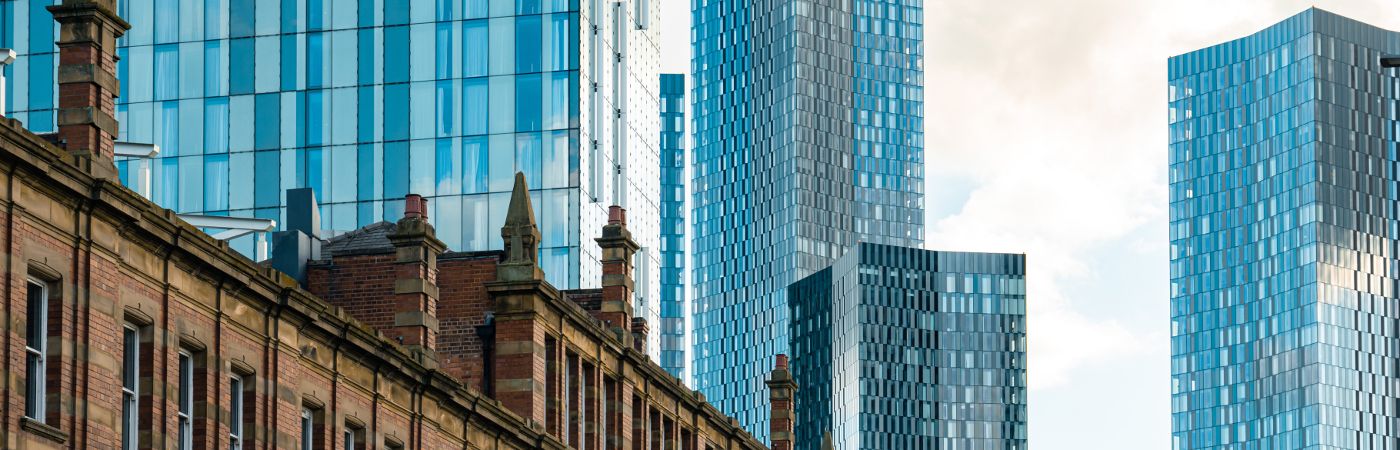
[368,100]
[904,348]
[808,139]
[675,340]
[1283,172]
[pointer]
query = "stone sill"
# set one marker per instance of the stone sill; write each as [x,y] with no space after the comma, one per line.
[43,429]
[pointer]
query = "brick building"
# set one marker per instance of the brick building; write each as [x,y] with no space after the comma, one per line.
[128,328]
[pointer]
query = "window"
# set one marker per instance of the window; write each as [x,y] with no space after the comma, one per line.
[642,11]
[354,436]
[131,376]
[185,415]
[235,407]
[36,348]
[308,429]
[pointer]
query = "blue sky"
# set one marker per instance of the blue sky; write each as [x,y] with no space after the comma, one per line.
[1046,134]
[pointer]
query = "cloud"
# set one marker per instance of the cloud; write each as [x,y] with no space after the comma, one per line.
[1056,112]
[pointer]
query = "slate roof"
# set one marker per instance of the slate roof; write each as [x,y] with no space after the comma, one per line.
[370,239]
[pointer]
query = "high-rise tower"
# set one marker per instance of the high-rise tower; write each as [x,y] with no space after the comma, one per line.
[675,310]
[365,101]
[906,348]
[1283,238]
[808,139]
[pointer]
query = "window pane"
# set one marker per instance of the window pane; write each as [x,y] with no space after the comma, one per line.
[36,312]
[502,163]
[268,171]
[216,182]
[527,103]
[395,170]
[502,45]
[422,170]
[475,100]
[527,44]
[502,106]
[475,48]
[475,226]
[527,157]
[475,161]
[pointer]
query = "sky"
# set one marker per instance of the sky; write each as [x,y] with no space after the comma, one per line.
[1045,134]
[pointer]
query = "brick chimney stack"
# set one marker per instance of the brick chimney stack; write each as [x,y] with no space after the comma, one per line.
[87,82]
[781,395]
[618,248]
[640,329]
[415,284]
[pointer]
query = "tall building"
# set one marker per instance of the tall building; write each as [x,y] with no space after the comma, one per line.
[129,328]
[808,139]
[367,100]
[897,347]
[1283,229]
[675,310]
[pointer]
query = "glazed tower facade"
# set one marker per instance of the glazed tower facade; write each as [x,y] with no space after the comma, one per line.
[1283,172]
[367,100]
[808,138]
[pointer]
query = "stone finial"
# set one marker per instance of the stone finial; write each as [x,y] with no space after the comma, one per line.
[521,237]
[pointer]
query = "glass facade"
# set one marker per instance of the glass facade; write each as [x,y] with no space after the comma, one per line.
[904,348]
[1283,172]
[808,139]
[365,101]
[675,340]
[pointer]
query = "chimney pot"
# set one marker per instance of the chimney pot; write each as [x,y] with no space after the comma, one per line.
[413,206]
[617,215]
[782,361]
[424,209]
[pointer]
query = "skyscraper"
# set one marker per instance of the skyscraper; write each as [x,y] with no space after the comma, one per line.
[367,100]
[808,139]
[675,339]
[904,348]
[1283,172]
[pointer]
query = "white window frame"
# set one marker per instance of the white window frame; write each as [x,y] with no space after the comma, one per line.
[308,429]
[185,414]
[131,386]
[36,353]
[349,437]
[235,425]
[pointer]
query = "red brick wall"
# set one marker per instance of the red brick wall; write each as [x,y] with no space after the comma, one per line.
[362,284]
[462,306]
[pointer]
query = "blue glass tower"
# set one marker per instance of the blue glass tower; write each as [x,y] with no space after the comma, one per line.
[808,139]
[904,348]
[1283,172]
[675,340]
[367,100]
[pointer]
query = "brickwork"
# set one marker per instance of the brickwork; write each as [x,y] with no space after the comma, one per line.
[113,259]
[781,415]
[462,278]
[402,345]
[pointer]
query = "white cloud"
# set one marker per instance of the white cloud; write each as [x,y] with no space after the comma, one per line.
[1056,110]
[1048,119]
